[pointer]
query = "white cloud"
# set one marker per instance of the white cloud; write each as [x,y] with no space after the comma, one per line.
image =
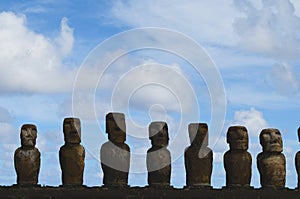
[221,145]
[252,119]
[65,40]
[5,116]
[261,26]
[8,133]
[253,96]
[218,157]
[296,4]
[29,61]
[131,82]
[10,141]
[152,84]
[271,29]
[200,19]
[32,108]
[84,106]
[283,77]
[232,58]
[35,10]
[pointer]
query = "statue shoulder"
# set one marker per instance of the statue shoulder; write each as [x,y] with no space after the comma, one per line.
[260,156]
[18,151]
[126,147]
[36,150]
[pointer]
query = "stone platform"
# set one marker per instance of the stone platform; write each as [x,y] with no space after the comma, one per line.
[14,192]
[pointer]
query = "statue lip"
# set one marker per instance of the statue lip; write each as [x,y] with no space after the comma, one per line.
[74,132]
[28,138]
[242,141]
[276,144]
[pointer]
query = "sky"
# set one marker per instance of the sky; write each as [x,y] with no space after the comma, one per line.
[224,64]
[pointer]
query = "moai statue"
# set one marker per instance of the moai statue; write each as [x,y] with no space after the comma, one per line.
[198,157]
[271,162]
[237,160]
[158,156]
[72,154]
[27,157]
[297,161]
[115,154]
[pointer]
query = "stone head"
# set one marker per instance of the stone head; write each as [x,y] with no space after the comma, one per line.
[198,134]
[72,130]
[28,135]
[158,134]
[271,140]
[116,127]
[237,138]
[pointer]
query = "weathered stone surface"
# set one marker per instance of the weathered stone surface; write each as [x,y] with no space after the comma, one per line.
[237,161]
[198,157]
[297,161]
[158,156]
[27,157]
[297,164]
[115,154]
[72,154]
[271,162]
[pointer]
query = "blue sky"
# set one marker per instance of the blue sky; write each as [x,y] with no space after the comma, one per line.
[53,52]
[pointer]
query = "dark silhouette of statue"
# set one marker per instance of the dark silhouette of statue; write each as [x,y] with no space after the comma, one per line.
[237,160]
[198,157]
[115,154]
[27,157]
[297,161]
[72,154]
[271,162]
[158,156]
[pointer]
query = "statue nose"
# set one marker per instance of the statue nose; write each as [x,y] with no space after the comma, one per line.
[73,131]
[274,138]
[28,134]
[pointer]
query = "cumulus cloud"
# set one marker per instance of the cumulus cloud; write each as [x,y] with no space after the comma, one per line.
[130,82]
[252,119]
[271,29]
[65,40]
[152,84]
[261,26]
[31,62]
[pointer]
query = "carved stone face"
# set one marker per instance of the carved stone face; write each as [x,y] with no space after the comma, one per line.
[158,134]
[28,135]
[237,138]
[116,127]
[72,130]
[271,140]
[198,134]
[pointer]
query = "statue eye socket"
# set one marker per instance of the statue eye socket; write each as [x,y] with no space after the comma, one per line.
[266,136]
